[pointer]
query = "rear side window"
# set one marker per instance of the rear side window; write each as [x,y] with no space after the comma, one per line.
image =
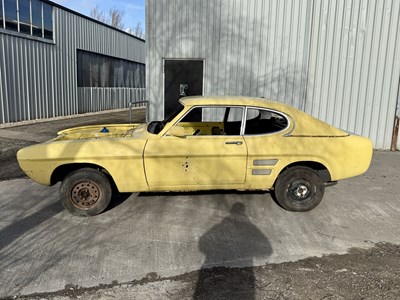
[261,121]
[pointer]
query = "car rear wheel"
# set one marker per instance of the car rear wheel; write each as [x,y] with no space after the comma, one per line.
[85,192]
[299,189]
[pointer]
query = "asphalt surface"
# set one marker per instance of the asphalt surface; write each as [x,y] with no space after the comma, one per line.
[43,248]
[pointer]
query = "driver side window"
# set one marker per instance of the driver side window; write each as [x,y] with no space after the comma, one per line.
[218,120]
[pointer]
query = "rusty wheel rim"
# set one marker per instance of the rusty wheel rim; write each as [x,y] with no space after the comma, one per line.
[85,194]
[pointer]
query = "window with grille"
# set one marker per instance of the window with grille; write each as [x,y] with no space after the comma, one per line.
[97,70]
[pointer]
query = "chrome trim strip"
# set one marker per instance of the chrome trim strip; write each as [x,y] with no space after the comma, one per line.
[261,172]
[244,117]
[265,162]
[318,136]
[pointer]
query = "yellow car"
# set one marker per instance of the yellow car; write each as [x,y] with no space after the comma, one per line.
[233,143]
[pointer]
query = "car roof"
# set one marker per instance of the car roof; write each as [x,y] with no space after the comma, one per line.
[232,100]
[306,125]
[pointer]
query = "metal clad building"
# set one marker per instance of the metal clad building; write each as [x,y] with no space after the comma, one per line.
[335,59]
[39,73]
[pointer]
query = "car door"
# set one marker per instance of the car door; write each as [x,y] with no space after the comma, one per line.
[205,156]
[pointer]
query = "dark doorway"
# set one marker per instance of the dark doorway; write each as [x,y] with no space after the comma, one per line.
[181,78]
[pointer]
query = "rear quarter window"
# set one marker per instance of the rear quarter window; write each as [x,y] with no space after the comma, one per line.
[263,121]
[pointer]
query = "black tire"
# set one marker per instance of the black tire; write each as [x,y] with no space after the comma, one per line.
[85,192]
[299,189]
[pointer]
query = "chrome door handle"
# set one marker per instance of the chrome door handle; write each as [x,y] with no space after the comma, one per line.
[234,143]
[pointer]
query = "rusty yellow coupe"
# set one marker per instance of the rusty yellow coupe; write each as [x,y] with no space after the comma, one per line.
[232,143]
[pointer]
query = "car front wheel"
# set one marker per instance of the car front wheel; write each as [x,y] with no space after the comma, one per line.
[85,192]
[299,189]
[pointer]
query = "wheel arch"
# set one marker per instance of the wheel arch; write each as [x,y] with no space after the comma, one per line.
[62,171]
[321,169]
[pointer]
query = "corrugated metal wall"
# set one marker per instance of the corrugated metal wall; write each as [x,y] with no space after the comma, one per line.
[38,79]
[249,47]
[336,60]
[354,68]
[95,99]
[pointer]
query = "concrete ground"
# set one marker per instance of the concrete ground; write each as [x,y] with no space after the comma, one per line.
[43,248]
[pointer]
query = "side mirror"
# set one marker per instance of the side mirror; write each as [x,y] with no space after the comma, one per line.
[177,131]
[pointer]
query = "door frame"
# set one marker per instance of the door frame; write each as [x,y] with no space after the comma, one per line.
[163,75]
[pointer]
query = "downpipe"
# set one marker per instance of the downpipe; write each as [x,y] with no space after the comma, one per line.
[395,134]
[396,123]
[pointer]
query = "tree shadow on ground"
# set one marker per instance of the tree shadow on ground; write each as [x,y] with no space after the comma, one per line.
[21,227]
